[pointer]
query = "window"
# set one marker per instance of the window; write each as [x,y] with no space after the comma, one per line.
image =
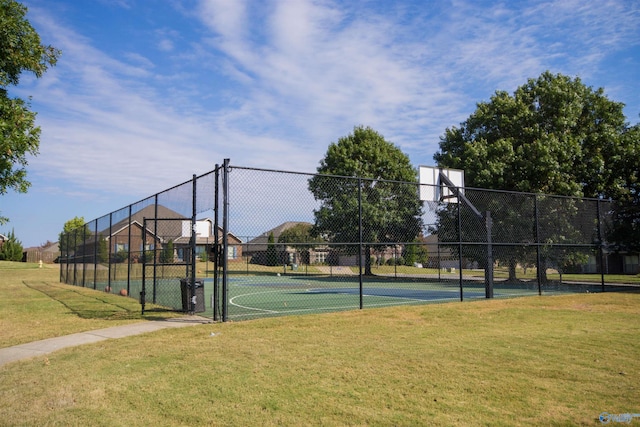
[232,252]
[319,257]
[630,264]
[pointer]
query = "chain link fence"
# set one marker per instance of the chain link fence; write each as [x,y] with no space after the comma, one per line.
[242,243]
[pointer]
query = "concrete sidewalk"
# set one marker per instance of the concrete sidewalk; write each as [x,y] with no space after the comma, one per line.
[40,348]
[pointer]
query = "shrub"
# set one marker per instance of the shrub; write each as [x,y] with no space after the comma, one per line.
[11,249]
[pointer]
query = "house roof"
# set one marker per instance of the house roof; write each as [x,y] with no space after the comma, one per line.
[147,212]
[277,231]
[261,242]
[53,247]
[167,230]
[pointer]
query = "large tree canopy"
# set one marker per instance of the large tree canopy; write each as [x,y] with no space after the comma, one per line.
[624,231]
[20,50]
[382,175]
[553,135]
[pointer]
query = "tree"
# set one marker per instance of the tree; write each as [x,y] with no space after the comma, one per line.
[364,172]
[20,50]
[554,135]
[103,250]
[416,252]
[11,250]
[624,231]
[300,238]
[272,253]
[167,255]
[73,234]
[409,254]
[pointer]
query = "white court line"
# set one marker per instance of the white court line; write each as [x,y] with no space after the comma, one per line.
[316,309]
[319,290]
[254,308]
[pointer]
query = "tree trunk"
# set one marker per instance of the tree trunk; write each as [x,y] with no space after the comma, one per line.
[367,261]
[542,273]
[512,269]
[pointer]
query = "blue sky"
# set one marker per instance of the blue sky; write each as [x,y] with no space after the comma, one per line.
[149,92]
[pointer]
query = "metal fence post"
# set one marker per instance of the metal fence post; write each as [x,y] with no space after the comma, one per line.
[155,244]
[71,260]
[460,251]
[193,245]
[216,246]
[95,255]
[129,253]
[537,230]
[600,245]
[84,255]
[225,239]
[360,246]
[489,284]
[143,292]
[110,243]
[62,236]
[75,257]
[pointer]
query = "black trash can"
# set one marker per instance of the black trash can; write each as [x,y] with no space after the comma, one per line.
[186,290]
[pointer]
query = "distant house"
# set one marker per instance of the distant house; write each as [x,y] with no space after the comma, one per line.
[315,253]
[256,249]
[46,253]
[441,255]
[130,237]
[205,239]
[614,263]
[3,239]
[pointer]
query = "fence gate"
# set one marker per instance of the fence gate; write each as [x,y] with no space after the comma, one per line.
[168,265]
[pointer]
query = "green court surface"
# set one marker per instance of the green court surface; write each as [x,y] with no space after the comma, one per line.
[255,296]
[261,296]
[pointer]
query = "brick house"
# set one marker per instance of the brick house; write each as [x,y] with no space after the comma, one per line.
[256,248]
[127,238]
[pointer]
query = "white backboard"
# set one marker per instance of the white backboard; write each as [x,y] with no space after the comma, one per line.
[203,228]
[436,191]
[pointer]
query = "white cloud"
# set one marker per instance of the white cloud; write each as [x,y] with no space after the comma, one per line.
[272,84]
[324,71]
[166,45]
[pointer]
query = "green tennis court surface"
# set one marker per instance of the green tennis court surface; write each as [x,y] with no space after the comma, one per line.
[260,296]
[254,296]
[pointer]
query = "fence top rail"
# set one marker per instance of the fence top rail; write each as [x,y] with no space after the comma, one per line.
[322,175]
[486,190]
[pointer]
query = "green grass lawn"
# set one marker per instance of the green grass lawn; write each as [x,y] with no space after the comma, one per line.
[35,306]
[550,360]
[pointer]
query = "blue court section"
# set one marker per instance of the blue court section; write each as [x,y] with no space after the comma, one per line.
[407,294]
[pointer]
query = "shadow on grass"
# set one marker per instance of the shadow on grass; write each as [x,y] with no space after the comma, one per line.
[90,304]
